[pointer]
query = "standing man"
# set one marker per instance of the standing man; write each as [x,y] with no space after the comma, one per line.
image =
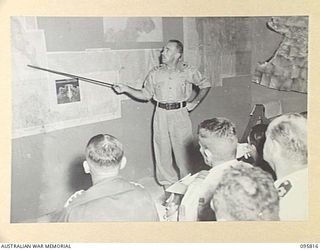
[170,86]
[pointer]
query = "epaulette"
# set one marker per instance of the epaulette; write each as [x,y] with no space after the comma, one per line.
[158,67]
[137,184]
[72,197]
[185,65]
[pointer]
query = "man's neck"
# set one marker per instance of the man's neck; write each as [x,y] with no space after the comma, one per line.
[284,168]
[96,178]
[221,161]
[172,65]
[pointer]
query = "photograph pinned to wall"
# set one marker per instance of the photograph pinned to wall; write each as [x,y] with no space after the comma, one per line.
[132,29]
[67,91]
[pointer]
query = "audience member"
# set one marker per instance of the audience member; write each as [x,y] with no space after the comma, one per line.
[287,153]
[245,193]
[111,198]
[218,146]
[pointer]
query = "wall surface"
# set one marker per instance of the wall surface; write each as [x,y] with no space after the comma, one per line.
[290,101]
[264,42]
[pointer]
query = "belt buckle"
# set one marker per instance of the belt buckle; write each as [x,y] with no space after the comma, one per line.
[167,106]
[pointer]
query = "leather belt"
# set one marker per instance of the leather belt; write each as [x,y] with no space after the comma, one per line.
[172,105]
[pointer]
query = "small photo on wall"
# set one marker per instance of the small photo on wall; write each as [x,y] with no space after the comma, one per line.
[67,91]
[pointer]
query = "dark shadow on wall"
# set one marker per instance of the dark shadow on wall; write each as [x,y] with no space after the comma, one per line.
[197,158]
[78,178]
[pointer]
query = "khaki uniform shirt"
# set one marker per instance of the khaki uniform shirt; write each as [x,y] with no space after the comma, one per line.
[113,199]
[167,85]
[201,188]
[293,192]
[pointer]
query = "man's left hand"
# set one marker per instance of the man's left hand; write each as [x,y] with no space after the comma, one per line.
[191,106]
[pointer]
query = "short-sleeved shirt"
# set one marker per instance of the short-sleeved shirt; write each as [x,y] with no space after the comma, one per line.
[293,192]
[167,85]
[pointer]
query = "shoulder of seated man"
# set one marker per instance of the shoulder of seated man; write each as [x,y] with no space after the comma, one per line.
[73,197]
[202,174]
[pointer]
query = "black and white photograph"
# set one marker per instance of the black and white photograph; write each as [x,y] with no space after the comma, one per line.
[67,90]
[159,119]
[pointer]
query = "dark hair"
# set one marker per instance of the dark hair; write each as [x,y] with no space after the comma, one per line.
[257,138]
[104,151]
[178,44]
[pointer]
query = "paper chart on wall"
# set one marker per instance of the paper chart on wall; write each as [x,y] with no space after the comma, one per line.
[35,105]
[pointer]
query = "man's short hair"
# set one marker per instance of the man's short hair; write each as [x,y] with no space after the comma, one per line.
[219,127]
[104,151]
[179,45]
[290,131]
[246,193]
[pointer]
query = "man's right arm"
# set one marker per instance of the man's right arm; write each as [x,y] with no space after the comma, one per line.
[136,93]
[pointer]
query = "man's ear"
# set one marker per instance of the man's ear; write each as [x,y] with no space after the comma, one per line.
[211,204]
[207,154]
[86,167]
[178,56]
[123,162]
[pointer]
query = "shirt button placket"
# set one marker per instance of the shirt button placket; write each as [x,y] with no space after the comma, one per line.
[170,94]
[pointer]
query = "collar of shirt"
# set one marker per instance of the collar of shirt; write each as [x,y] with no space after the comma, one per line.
[217,171]
[181,66]
[300,175]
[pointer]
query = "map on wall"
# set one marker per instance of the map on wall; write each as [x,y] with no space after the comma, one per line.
[132,29]
[35,106]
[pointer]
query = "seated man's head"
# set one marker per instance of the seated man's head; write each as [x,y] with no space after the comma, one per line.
[286,144]
[104,156]
[245,193]
[217,140]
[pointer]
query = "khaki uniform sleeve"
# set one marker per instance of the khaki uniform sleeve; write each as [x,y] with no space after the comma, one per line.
[199,80]
[148,85]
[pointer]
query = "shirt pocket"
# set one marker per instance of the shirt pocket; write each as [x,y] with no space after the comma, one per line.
[182,87]
[159,86]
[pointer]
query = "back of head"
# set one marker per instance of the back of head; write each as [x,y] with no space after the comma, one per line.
[219,136]
[290,132]
[104,152]
[246,193]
